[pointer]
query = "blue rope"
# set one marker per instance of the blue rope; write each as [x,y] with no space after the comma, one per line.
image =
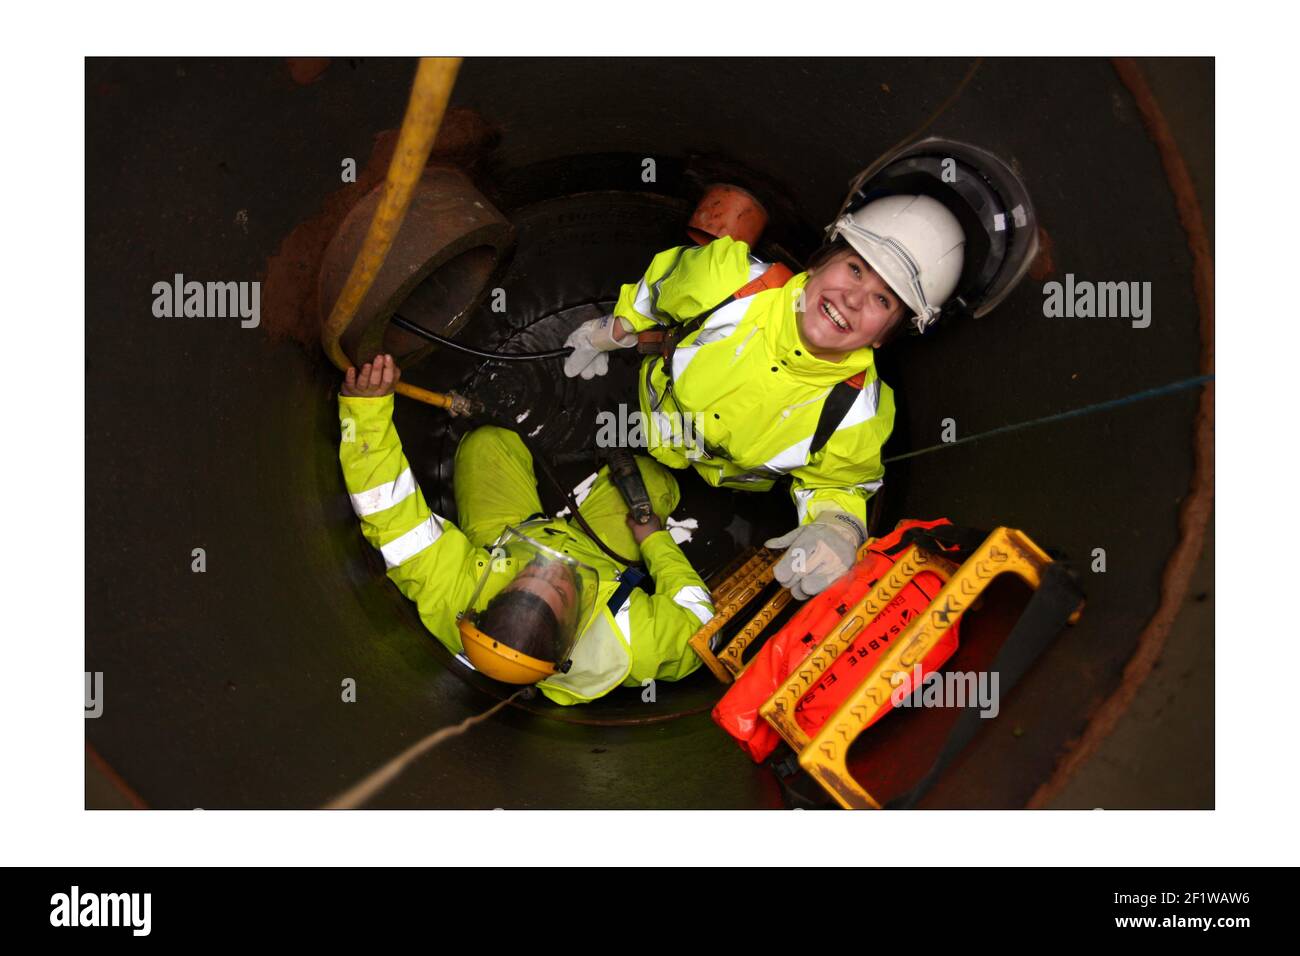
[1061,416]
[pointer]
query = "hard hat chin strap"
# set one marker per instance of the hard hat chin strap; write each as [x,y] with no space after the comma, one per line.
[924,320]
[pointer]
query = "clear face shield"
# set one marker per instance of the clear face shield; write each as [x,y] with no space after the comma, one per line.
[534,621]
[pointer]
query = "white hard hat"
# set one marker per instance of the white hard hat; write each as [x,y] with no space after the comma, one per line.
[916,245]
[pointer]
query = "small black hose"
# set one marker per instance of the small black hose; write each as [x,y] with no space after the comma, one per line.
[422,332]
[409,326]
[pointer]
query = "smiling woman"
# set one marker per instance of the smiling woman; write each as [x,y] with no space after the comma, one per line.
[756,372]
[846,305]
[784,379]
[917,247]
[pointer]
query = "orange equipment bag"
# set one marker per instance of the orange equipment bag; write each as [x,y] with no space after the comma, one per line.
[737,711]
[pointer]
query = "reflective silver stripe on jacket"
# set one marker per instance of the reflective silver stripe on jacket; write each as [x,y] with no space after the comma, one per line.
[623,618]
[863,407]
[719,325]
[654,289]
[744,478]
[402,549]
[803,496]
[802,499]
[644,304]
[796,456]
[696,600]
[383,497]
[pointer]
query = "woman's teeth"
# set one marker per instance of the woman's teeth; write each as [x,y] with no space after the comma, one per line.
[830,312]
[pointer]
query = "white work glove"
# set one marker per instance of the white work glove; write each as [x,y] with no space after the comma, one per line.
[591,342]
[818,553]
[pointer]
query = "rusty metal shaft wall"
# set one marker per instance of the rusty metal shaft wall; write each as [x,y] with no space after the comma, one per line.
[223,688]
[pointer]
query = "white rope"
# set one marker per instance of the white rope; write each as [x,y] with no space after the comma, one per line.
[358,794]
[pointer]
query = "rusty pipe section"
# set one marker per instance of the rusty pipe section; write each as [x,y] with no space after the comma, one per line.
[440,266]
[430,93]
[727,210]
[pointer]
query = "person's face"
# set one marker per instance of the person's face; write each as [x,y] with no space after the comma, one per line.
[846,306]
[553,582]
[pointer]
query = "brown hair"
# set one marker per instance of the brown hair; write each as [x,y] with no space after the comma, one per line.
[826,252]
[523,621]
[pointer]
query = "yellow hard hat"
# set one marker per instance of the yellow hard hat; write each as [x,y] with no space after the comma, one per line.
[499,661]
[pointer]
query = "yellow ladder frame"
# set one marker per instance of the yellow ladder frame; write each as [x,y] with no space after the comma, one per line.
[729,599]
[1004,551]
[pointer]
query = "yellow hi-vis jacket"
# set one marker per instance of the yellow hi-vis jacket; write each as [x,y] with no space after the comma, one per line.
[746,393]
[435,565]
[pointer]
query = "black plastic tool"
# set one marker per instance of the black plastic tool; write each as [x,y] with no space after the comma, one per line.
[627,479]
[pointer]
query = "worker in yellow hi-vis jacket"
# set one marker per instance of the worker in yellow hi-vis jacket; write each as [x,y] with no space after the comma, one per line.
[525,598]
[753,380]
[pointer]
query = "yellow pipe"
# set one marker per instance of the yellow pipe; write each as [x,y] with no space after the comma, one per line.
[429,95]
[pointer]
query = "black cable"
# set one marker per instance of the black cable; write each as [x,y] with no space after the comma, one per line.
[409,326]
[422,332]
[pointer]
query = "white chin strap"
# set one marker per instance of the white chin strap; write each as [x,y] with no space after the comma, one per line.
[926,314]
